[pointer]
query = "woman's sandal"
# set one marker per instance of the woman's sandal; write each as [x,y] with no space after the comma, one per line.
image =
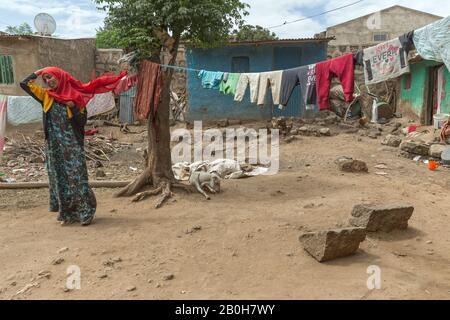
[88,221]
[68,222]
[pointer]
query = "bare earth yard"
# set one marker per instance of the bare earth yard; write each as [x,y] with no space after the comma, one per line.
[243,244]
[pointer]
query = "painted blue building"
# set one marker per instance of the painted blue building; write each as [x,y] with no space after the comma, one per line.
[241,57]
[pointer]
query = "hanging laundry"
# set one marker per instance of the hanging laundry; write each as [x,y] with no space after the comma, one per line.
[210,79]
[125,84]
[385,61]
[149,87]
[305,77]
[247,79]
[432,42]
[272,79]
[229,85]
[358,58]
[341,67]
[3,104]
[23,110]
[407,41]
[100,103]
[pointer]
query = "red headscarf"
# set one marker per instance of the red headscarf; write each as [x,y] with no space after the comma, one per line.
[71,89]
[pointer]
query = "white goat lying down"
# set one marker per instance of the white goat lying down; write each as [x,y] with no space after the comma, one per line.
[205,175]
[202,180]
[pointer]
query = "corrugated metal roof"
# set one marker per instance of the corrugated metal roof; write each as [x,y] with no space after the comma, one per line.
[278,41]
[297,40]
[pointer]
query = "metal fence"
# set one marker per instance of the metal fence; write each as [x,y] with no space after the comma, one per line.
[126,103]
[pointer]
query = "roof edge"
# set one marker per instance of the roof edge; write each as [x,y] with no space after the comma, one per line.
[278,41]
[33,36]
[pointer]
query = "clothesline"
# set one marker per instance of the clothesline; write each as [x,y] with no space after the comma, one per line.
[178,68]
[380,62]
[358,55]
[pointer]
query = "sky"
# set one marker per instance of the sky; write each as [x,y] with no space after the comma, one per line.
[81,18]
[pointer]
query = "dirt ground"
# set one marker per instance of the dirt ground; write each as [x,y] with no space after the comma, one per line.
[242,244]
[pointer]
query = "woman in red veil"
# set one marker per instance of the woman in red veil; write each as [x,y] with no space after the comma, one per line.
[64,116]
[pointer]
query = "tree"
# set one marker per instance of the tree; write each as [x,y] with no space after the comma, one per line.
[253,33]
[24,28]
[107,38]
[150,27]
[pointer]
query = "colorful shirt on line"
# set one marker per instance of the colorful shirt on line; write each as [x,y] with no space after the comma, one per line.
[304,76]
[210,79]
[385,61]
[229,85]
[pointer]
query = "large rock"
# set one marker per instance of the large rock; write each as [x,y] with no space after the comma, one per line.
[351,165]
[325,131]
[381,217]
[415,147]
[332,244]
[305,130]
[391,141]
[436,150]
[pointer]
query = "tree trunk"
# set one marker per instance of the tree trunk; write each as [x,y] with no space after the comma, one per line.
[158,172]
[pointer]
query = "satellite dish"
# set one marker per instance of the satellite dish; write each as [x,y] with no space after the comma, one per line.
[45,24]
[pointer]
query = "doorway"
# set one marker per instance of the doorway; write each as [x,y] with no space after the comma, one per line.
[432,100]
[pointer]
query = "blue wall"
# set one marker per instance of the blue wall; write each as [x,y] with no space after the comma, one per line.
[206,104]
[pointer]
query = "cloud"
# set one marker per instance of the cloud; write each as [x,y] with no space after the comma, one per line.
[371,6]
[73,18]
[80,18]
[271,13]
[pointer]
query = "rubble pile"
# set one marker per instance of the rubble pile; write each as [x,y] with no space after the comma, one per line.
[422,143]
[316,126]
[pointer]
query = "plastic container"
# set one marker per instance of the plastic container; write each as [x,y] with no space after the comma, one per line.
[374,111]
[439,119]
[433,165]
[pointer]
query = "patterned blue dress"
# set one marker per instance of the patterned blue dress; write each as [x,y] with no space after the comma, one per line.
[70,194]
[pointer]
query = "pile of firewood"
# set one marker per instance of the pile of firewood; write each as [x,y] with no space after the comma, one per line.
[97,148]
[178,105]
[29,148]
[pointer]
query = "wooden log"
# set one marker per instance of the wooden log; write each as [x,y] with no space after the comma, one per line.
[41,185]
[111,124]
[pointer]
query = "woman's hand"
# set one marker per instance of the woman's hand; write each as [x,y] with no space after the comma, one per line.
[70,104]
